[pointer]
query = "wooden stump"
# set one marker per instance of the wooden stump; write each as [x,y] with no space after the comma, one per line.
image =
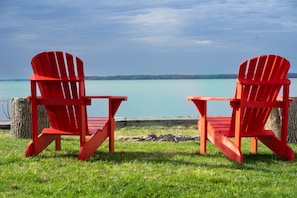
[274,121]
[292,128]
[21,122]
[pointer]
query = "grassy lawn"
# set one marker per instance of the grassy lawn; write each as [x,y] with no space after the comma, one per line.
[142,169]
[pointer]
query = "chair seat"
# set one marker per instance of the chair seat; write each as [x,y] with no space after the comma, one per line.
[222,124]
[94,124]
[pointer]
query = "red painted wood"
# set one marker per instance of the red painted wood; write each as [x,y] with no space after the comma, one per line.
[259,82]
[60,79]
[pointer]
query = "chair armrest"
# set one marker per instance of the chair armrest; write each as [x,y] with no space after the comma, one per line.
[281,99]
[201,102]
[196,99]
[114,102]
[204,98]
[107,97]
[110,98]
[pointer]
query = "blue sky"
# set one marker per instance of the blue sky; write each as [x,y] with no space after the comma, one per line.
[116,37]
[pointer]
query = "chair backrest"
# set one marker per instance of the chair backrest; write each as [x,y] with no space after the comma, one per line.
[67,74]
[259,82]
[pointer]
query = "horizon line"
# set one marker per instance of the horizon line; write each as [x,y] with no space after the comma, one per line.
[156,77]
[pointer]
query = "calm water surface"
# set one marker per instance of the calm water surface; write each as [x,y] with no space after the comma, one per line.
[148,98]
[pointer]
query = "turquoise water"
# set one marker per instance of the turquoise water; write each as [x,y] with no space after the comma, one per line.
[148,98]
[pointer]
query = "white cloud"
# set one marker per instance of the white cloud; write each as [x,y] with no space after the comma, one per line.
[157,19]
[203,42]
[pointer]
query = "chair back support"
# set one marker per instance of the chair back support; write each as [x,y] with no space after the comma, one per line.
[61,76]
[259,82]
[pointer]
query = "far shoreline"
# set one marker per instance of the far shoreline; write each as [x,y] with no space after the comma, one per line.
[159,77]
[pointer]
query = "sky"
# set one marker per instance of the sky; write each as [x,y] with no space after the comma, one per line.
[131,37]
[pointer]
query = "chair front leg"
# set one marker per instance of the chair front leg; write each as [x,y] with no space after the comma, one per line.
[201,105]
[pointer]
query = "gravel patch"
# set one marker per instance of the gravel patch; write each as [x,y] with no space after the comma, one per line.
[161,138]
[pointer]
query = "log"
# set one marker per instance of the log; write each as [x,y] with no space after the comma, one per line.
[292,127]
[274,122]
[21,122]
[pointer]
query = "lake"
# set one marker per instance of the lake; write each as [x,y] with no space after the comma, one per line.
[148,98]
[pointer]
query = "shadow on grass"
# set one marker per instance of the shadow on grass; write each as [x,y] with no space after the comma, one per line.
[262,163]
[259,162]
[213,159]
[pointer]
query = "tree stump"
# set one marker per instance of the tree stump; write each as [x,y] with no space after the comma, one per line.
[274,122]
[21,122]
[292,127]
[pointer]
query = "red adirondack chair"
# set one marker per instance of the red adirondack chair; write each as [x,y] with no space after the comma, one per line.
[259,83]
[60,79]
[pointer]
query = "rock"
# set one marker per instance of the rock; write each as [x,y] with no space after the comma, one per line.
[162,138]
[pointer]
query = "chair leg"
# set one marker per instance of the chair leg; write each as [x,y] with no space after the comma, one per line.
[254,145]
[226,146]
[111,135]
[274,144]
[202,127]
[58,143]
[36,147]
[91,144]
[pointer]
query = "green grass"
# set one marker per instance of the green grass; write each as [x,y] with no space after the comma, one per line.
[142,169]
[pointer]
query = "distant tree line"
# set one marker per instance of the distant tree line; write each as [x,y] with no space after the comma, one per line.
[170,76]
[161,77]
